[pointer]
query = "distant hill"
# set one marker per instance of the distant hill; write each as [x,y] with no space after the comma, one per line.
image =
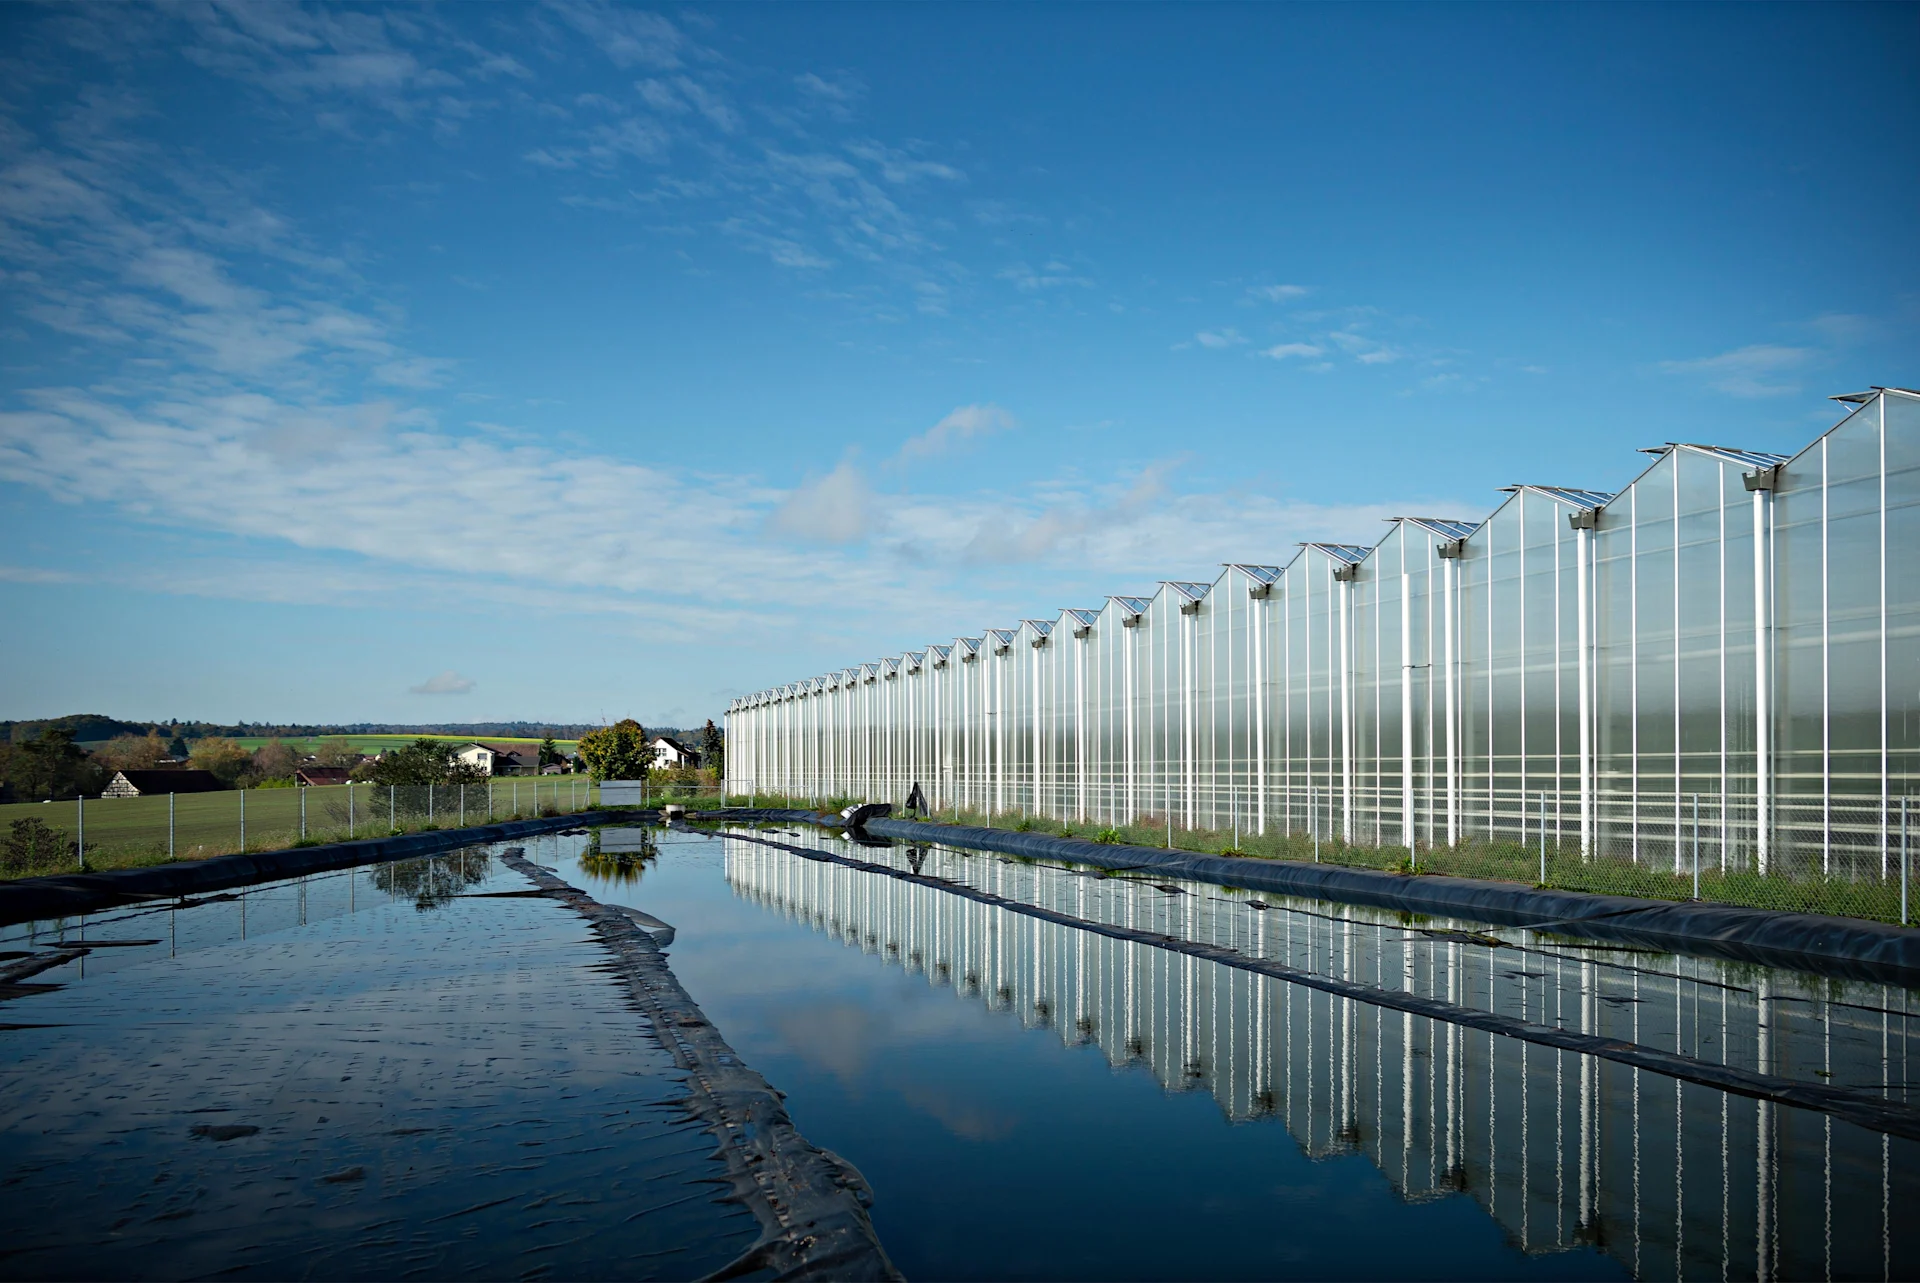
[86,727]
[95,728]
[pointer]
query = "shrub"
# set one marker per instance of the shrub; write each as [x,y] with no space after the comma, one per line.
[1023,825]
[32,845]
[1108,837]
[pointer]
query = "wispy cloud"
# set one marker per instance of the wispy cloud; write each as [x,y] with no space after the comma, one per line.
[1221,338]
[447,683]
[1284,351]
[1752,371]
[1278,293]
[961,425]
[1049,275]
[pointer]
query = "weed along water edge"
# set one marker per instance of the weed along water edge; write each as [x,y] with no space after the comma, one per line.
[968,1064]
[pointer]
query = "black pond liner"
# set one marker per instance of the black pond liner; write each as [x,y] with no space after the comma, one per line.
[1843,948]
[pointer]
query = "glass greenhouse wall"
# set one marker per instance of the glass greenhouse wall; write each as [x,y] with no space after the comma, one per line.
[1723,657]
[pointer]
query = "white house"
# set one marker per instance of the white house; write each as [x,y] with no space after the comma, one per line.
[499,759]
[669,753]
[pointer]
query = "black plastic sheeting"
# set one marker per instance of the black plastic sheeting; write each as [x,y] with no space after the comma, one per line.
[1844,948]
[68,895]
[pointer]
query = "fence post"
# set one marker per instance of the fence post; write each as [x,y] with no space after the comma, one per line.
[429,802]
[1169,826]
[303,814]
[516,799]
[243,821]
[1543,838]
[392,820]
[489,801]
[1696,846]
[80,843]
[170,798]
[349,810]
[463,806]
[1313,820]
[1903,859]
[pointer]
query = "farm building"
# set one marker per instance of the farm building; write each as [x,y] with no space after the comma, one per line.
[320,775]
[157,783]
[501,759]
[669,752]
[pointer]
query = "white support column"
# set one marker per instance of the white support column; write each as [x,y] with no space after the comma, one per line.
[1257,683]
[1346,709]
[1583,557]
[1450,575]
[1762,674]
[1406,698]
[1080,722]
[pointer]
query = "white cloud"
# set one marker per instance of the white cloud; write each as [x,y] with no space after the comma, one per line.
[1751,371]
[962,424]
[1278,293]
[1281,351]
[1227,337]
[447,683]
[835,509]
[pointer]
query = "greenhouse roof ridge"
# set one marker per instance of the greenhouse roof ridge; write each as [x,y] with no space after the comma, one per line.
[1746,458]
[1445,527]
[1572,496]
[1188,589]
[1351,553]
[1265,574]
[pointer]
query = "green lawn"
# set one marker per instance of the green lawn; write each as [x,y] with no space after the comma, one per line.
[129,831]
[381,743]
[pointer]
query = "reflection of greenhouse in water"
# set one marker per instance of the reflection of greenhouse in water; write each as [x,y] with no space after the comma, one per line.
[1733,631]
[1561,1149]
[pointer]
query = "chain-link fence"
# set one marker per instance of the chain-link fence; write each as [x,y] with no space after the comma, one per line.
[99,833]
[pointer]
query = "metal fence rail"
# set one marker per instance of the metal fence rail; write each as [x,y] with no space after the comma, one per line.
[115,832]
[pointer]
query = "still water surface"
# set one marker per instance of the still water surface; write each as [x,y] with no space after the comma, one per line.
[1027,1100]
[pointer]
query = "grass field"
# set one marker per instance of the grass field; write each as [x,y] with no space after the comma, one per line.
[371,744]
[1565,870]
[128,831]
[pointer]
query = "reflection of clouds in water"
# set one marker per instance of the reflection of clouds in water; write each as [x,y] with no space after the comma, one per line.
[843,1040]
[838,1039]
[963,1118]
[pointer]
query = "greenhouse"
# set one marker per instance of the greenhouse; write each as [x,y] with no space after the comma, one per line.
[1720,660]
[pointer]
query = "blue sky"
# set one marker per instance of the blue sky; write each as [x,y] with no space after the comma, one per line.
[581,361]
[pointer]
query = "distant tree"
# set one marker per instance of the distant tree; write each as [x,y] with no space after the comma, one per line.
[51,765]
[336,752]
[549,752]
[272,761]
[177,749]
[713,750]
[617,752]
[425,761]
[131,752]
[220,755]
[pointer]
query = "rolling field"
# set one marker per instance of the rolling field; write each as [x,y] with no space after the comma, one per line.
[371,744]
